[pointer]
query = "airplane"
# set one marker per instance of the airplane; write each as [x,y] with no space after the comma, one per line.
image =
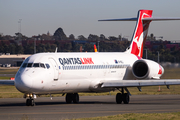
[92,72]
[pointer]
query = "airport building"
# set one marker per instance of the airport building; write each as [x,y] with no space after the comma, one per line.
[12,60]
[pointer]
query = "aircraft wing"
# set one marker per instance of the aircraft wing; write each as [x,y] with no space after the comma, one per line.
[6,82]
[138,83]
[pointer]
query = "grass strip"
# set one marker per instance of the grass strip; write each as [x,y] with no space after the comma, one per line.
[137,116]
[4,78]
[8,71]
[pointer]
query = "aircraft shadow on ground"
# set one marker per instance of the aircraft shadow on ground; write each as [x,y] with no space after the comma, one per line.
[56,103]
[89,102]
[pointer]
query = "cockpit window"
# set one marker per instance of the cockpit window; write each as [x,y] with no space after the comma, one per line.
[48,66]
[39,65]
[29,65]
[24,65]
[42,65]
[36,65]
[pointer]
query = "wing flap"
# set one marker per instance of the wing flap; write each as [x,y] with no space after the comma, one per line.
[6,82]
[139,83]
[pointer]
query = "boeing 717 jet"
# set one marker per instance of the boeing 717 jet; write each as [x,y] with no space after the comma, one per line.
[73,73]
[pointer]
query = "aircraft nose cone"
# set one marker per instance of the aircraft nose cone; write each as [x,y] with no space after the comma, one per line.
[23,82]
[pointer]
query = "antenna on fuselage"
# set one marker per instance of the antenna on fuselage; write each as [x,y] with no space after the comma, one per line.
[56,49]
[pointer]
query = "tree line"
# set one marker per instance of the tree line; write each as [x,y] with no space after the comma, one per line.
[71,44]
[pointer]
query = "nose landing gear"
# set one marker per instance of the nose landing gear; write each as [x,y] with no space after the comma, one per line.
[30,100]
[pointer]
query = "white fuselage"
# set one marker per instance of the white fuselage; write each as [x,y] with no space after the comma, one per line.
[72,72]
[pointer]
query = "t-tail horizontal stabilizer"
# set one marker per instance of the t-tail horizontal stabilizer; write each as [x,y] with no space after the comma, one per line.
[143,19]
[135,19]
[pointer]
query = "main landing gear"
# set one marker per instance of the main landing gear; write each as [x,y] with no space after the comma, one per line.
[123,96]
[72,97]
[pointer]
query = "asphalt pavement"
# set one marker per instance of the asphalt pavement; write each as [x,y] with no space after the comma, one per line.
[89,106]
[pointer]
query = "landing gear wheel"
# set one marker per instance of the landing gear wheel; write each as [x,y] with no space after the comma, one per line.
[30,102]
[72,97]
[126,98]
[119,98]
[75,98]
[27,102]
[69,98]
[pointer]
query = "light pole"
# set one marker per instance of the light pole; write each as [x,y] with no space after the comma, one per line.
[34,45]
[19,33]
[19,25]
[146,53]
[158,56]
[98,46]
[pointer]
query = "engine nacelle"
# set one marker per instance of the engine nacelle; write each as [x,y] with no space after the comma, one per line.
[147,69]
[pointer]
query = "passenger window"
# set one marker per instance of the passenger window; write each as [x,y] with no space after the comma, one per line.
[42,65]
[48,66]
[24,65]
[29,65]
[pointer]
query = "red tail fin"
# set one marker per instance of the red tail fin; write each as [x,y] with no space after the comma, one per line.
[140,33]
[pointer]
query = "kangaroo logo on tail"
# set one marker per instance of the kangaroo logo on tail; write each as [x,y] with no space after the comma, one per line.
[140,34]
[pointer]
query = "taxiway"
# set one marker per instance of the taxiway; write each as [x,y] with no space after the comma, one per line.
[89,106]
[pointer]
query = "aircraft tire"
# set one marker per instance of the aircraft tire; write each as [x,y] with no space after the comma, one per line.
[126,98]
[32,102]
[27,102]
[119,98]
[75,98]
[69,98]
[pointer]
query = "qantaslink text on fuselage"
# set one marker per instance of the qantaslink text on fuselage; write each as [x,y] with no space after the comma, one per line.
[67,61]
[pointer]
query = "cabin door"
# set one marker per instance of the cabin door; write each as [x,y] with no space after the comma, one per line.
[55,68]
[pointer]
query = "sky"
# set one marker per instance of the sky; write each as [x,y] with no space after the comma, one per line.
[80,17]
